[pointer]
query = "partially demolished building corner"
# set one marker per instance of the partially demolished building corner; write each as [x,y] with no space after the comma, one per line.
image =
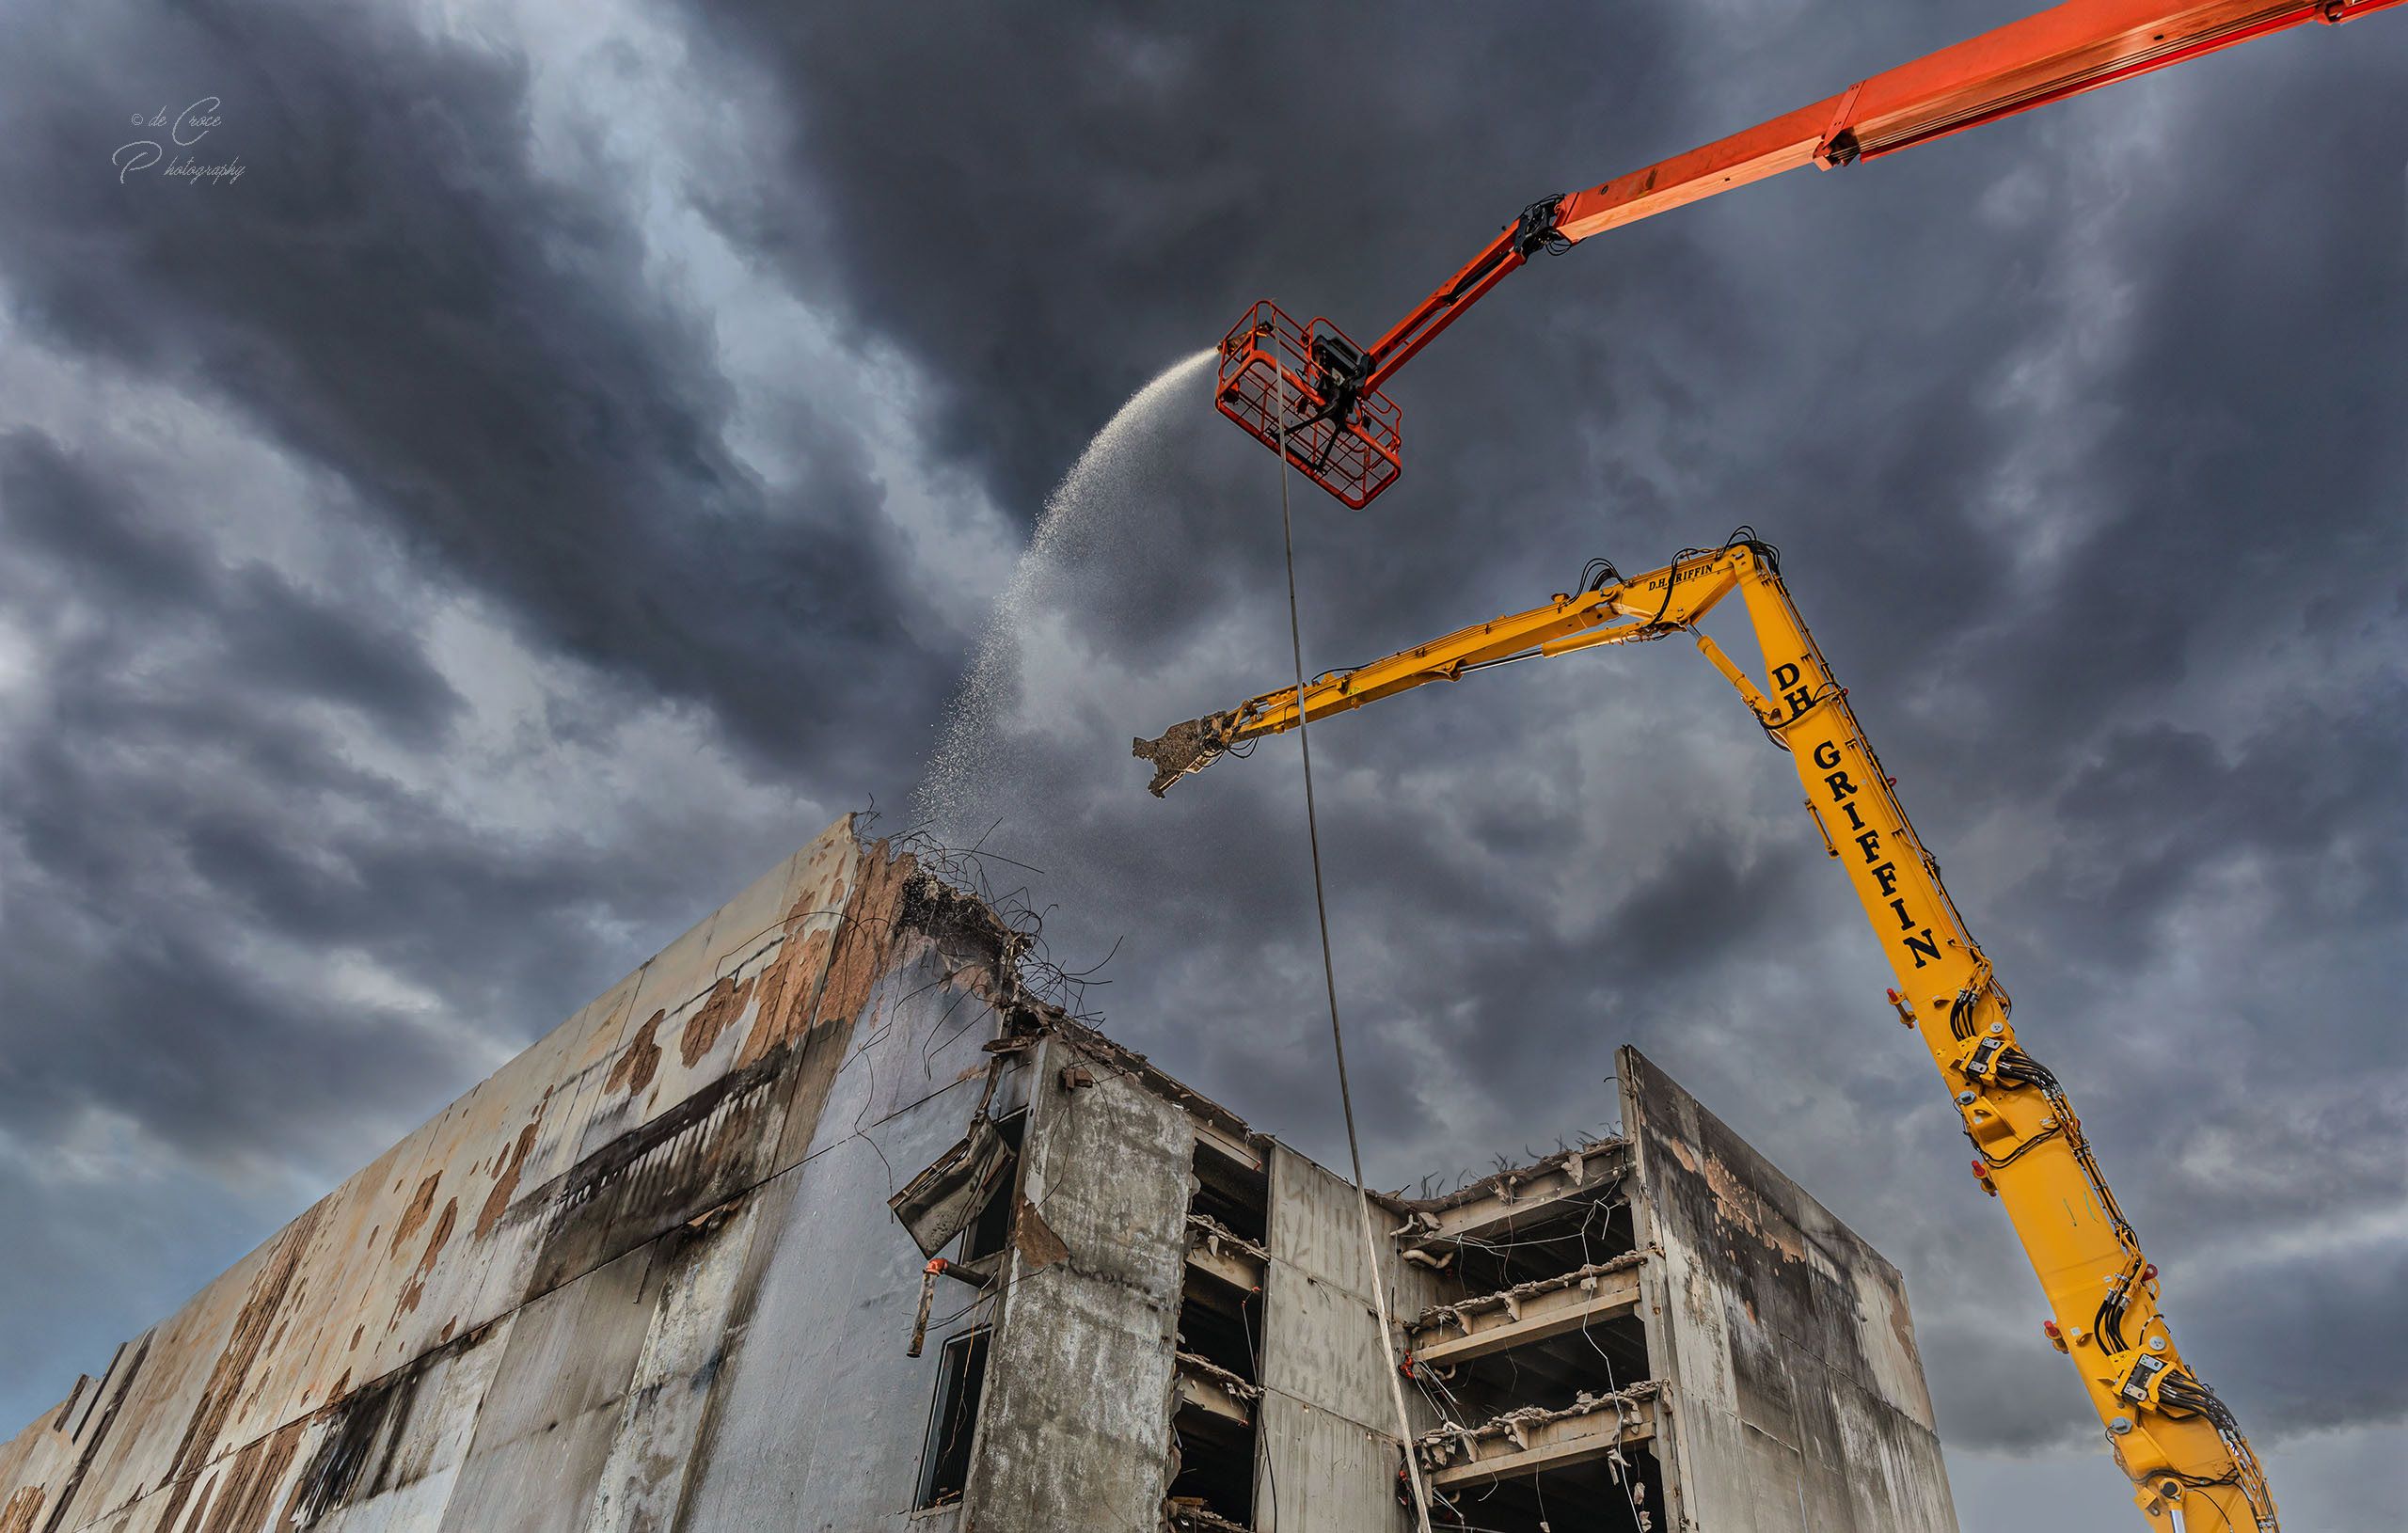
[821,1220]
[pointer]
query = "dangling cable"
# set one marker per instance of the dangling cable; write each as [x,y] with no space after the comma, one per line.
[1329,980]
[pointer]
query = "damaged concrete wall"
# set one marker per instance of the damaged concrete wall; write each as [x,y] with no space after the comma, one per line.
[646,1279]
[521,1315]
[1797,1396]
[1076,1432]
[1328,1413]
[817,1421]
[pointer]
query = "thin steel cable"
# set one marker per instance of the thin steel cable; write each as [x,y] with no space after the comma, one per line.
[1329,981]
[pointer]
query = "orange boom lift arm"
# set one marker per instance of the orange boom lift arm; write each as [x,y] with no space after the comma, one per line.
[2181,1448]
[1345,433]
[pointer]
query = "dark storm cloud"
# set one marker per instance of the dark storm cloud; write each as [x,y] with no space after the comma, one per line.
[118,995]
[99,539]
[2074,431]
[180,760]
[2318,825]
[395,295]
[398,293]
[1020,190]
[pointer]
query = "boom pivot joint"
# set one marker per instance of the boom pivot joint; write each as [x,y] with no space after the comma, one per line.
[1535,229]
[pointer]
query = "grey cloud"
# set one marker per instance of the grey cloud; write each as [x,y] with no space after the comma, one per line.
[2072,431]
[103,543]
[400,294]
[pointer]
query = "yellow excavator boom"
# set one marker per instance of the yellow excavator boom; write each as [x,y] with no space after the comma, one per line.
[2181,1448]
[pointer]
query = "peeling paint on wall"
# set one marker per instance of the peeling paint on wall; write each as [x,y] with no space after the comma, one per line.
[18,1513]
[293,1395]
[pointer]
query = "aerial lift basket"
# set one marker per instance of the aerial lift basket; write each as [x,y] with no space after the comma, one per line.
[1342,435]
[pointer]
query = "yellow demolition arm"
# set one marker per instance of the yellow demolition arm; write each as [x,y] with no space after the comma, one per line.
[2181,1449]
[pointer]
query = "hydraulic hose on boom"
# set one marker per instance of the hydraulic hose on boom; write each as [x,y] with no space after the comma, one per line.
[1346,434]
[2183,1449]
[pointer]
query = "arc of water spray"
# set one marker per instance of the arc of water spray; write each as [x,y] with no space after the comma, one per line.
[962,751]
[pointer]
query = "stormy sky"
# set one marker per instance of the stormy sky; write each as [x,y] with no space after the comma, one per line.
[578,456]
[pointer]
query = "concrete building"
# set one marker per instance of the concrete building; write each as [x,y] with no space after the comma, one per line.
[669,1269]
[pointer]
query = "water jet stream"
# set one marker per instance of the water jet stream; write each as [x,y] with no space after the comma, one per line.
[1097,487]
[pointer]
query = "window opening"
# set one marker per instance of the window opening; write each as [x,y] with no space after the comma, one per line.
[953,1420]
[989,1230]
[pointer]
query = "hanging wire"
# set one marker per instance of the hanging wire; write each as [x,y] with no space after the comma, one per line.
[1329,980]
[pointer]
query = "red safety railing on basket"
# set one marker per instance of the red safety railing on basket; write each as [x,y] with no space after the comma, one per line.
[1344,439]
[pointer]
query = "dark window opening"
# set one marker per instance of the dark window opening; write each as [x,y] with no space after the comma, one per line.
[1223,1328]
[1229,1193]
[989,1230]
[1596,1359]
[953,1420]
[1215,1467]
[1577,1234]
[1220,1322]
[991,1227]
[1580,1498]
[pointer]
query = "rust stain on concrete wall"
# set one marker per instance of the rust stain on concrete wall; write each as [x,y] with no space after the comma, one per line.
[868,932]
[786,986]
[415,1288]
[859,939]
[718,1012]
[18,1514]
[242,1349]
[1038,1246]
[1740,1205]
[248,1495]
[635,1066]
[421,1204]
[505,1170]
[99,1434]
